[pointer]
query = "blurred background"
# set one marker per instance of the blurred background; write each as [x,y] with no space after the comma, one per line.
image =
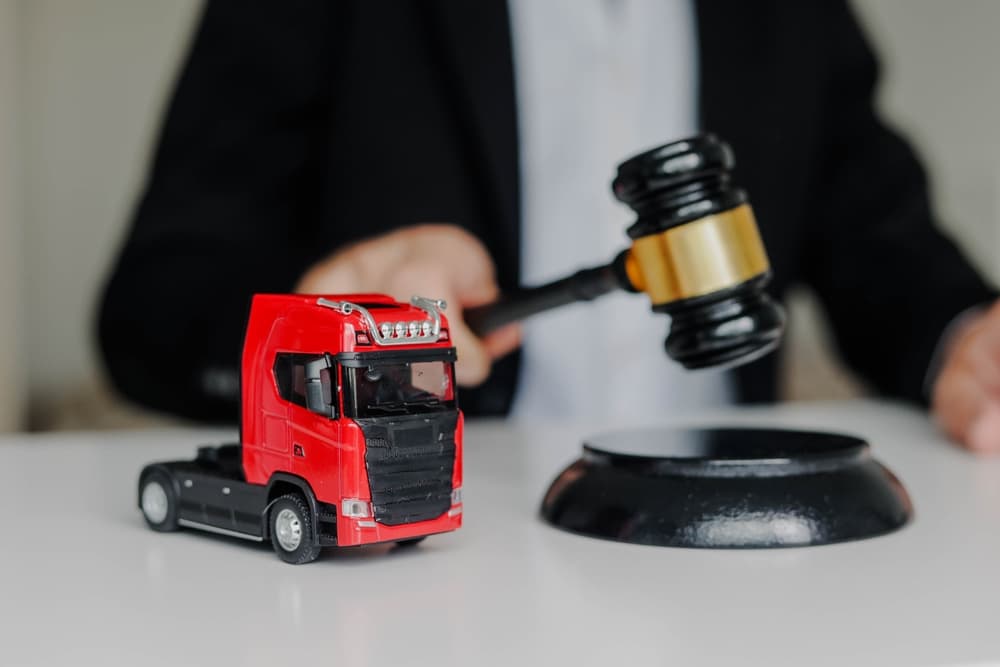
[82,86]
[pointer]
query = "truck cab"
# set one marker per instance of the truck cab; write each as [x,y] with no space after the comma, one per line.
[350,431]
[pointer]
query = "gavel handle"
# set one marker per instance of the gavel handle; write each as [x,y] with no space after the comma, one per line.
[584,285]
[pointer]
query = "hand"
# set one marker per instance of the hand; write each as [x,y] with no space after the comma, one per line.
[966,396]
[436,261]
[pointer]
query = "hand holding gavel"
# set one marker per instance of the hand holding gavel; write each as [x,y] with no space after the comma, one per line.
[966,394]
[444,261]
[695,252]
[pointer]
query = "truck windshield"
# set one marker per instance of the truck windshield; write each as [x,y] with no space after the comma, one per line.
[402,388]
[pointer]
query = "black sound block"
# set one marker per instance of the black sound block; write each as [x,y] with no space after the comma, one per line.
[727,488]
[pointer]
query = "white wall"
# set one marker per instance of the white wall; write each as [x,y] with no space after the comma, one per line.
[12,392]
[942,88]
[94,74]
[89,77]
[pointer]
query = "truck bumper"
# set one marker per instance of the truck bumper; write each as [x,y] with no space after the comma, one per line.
[354,532]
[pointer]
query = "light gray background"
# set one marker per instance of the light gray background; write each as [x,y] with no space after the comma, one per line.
[81,87]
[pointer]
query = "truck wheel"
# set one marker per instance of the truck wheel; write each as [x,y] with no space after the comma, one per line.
[291,530]
[412,542]
[158,502]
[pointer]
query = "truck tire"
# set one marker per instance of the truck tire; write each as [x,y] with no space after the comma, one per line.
[158,502]
[292,530]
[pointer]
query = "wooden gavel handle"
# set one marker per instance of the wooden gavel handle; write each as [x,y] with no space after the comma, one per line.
[584,285]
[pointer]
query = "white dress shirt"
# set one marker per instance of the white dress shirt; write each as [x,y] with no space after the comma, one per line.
[597,81]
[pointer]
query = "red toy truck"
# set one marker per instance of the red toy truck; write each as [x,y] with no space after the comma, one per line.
[351,433]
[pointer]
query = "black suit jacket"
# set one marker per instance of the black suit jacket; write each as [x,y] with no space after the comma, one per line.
[297,127]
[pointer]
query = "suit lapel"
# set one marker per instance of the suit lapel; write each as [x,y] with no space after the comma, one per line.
[734,82]
[472,42]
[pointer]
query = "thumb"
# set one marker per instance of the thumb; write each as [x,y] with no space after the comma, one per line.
[966,394]
[961,407]
[983,434]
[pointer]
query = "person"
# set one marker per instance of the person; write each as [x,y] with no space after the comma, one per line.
[355,146]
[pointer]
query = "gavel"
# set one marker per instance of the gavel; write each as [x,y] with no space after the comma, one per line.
[696,253]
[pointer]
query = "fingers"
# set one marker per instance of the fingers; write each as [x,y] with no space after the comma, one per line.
[461,256]
[979,344]
[958,402]
[375,263]
[476,356]
[329,277]
[430,279]
[983,436]
[503,341]
[966,396]
[474,359]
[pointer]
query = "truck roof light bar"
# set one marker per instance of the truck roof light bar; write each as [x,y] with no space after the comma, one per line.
[399,333]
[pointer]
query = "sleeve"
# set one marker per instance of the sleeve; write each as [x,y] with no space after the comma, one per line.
[890,280]
[226,209]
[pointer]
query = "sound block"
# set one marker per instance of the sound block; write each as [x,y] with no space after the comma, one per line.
[727,488]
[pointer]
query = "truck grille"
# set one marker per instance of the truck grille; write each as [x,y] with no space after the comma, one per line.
[410,463]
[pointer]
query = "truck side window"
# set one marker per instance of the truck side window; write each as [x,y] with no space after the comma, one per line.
[290,376]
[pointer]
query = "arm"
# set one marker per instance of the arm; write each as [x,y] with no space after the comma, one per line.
[889,279]
[226,210]
[235,206]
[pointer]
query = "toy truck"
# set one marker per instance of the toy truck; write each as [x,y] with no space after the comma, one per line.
[350,432]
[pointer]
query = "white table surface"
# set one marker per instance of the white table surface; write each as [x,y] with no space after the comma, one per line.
[83,581]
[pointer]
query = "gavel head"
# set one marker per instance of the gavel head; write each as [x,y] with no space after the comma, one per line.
[697,253]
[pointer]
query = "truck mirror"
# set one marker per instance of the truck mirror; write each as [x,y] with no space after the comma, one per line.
[318,400]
